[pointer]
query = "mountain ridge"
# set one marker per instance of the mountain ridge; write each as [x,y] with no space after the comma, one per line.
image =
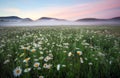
[14,18]
[50,18]
[19,19]
[98,19]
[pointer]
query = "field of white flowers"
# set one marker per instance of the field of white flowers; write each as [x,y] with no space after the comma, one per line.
[60,52]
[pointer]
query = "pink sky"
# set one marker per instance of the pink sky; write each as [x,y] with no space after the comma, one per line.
[103,9]
[97,9]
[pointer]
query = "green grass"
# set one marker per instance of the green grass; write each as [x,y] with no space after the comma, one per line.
[100,47]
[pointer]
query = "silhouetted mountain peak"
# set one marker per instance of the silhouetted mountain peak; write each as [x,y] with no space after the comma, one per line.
[49,18]
[10,17]
[13,19]
[116,18]
[90,19]
[97,19]
[27,19]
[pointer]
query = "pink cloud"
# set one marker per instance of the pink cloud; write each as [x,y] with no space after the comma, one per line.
[89,9]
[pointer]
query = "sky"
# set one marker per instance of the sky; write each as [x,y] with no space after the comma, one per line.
[63,9]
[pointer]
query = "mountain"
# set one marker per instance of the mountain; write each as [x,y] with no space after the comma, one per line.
[115,18]
[49,18]
[97,19]
[27,19]
[91,19]
[10,17]
[13,19]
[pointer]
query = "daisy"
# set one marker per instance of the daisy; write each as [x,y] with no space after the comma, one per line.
[90,63]
[66,44]
[50,55]
[58,67]
[27,69]
[26,59]
[63,65]
[17,71]
[25,48]
[70,54]
[40,48]
[79,52]
[40,58]
[6,61]
[41,76]
[86,58]
[47,58]
[47,66]
[33,50]
[36,59]
[36,64]
[22,54]
[41,52]
[81,59]
[64,51]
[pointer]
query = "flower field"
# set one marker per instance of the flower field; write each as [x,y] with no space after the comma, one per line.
[60,52]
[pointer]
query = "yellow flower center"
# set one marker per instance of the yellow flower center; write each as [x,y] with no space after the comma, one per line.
[36,65]
[27,59]
[17,71]
[33,50]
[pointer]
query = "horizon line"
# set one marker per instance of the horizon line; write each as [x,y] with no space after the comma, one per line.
[59,18]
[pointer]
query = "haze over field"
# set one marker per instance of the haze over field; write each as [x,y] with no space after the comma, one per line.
[17,21]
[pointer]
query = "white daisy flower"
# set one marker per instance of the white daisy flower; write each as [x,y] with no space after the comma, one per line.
[86,58]
[41,57]
[26,59]
[41,76]
[27,69]
[47,66]
[51,55]
[36,59]
[66,44]
[63,65]
[81,59]
[47,58]
[79,52]
[70,54]
[90,63]
[41,52]
[22,54]
[64,51]
[33,50]
[36,64]
[17,71]
[6,61]
[58,67]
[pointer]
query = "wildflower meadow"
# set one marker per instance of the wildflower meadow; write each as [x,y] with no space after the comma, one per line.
[60,52]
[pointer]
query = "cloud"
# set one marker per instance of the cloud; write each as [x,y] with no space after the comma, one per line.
[89,9]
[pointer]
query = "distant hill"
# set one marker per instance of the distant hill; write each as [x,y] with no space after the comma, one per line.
[97,19]
[49,18]
[91,19]
[115,18]
[27,19]
[13,19]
